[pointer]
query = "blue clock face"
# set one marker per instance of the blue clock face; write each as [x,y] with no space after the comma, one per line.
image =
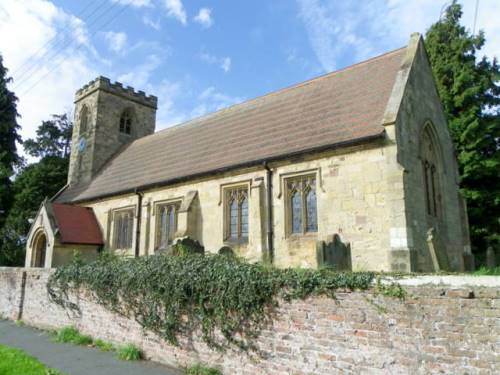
[82,144]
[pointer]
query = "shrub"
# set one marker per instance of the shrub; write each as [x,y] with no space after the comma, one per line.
[129,353]
[73,336]
[224,298]
[202,370]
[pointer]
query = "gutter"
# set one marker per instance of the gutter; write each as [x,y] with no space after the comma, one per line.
[252,163]
[269,201]
[138,226]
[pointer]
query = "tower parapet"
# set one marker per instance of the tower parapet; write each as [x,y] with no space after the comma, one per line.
[116,88]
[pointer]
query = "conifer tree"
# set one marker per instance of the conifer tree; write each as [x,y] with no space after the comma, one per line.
[8,138]
[469,87]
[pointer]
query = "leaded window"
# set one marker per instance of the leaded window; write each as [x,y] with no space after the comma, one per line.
[302,207]
[123,228]
[237,214]
[166,224]
[430,175]
[126,122]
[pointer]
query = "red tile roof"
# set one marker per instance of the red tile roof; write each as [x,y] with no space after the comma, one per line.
[77,225]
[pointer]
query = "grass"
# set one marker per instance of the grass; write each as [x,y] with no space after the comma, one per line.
[201,370]
[15,362]
[71,335]
[129,353]
[103,345]
[483,271]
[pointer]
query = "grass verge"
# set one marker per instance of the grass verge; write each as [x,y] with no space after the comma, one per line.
[15,362]
[201,370]
[129,353]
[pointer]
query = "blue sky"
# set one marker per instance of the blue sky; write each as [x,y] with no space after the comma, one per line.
[199,56]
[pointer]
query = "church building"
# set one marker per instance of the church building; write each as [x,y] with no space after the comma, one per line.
[354,170]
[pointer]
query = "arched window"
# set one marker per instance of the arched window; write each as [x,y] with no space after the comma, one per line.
[126,122]
[302,215]
[166,224]
[236,217]
[429,154]
[84,119]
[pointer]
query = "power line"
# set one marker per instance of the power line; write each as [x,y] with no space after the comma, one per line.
[77,49]
[80,15]
[475,18]
[28,74]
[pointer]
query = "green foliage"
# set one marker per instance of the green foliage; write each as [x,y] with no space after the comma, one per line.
[53,138]
[484,271]
[103,345]
[390,290]
[71,335]
[31,186]
[15,362]
[9,157]
[129,353]
[225,299]
[469,89]
[201,370]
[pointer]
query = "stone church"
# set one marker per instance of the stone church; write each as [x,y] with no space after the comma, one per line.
[354,170]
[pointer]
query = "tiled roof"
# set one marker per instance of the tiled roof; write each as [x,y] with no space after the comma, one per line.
[338,108]
[77,225]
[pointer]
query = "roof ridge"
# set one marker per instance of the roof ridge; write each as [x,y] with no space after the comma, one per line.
[195,120]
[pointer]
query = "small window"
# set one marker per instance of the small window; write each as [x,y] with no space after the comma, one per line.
[166,224]
[84,119]
[236,217]
[123,228]
[126,122]
[301,213]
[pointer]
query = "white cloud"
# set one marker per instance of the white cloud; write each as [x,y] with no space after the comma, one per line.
[117,41]
[139,76]
[337,30]
[211,100]
[45,82]
[176,10]
[151,23]
[204,17]
[134,3]
[223,62]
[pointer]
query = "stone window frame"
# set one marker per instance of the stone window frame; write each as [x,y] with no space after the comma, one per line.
[126,122]
[174,204]
[116,241]
[83,120]
[241,189]
[300,182]
[431,164]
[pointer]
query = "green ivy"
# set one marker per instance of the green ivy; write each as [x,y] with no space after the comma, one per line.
[215,295]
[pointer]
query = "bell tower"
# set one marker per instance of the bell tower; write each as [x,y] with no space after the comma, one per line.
[107,117]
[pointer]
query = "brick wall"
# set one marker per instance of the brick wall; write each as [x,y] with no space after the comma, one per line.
[447,328]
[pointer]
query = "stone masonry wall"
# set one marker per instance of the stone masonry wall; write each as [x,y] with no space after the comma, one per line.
[452,329]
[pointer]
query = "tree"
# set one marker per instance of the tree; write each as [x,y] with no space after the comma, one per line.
[31,186]
[34,183]
[8,138]
[470,92]
[53,138]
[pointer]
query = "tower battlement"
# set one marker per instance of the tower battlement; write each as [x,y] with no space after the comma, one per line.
[117,88]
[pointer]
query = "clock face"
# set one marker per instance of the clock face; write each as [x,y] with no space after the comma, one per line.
[82,143]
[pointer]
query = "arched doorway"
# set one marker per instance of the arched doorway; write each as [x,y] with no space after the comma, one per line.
[39,250]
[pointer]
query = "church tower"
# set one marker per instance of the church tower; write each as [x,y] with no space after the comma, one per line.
[107,117]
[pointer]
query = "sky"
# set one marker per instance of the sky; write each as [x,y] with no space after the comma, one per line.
[199,56]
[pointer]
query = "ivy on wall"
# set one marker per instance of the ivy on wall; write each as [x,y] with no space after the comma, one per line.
[224,299]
